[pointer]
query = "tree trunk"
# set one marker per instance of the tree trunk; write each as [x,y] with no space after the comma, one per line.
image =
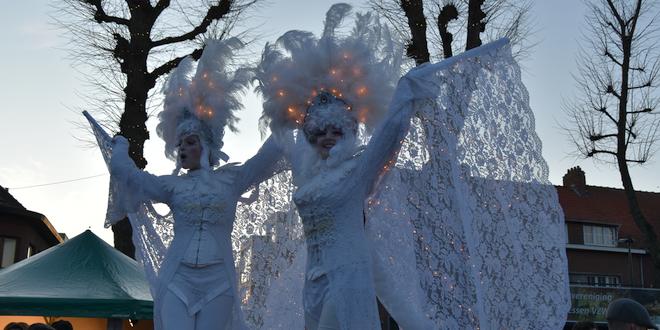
[651,239]
[447,14]
[132,124]
[417,49]
[475,24]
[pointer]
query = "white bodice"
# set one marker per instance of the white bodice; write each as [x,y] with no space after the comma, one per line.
[330,206]
[198,230]
[202,201]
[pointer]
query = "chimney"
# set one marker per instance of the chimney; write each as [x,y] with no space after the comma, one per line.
[575,179]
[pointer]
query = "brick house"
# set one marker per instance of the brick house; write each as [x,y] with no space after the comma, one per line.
[607,258]
[23,233]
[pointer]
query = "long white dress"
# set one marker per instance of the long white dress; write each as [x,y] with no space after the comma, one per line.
[331,207]
[203,205]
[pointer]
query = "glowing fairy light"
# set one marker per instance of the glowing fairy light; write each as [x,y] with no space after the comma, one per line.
[362,91]
[281,93]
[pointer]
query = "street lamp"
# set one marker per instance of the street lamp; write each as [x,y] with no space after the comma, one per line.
[629,241]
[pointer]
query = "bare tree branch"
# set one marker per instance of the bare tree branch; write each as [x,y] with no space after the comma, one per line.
[215,12]
[597,137]
[647,110]
[173,63]
[101,17]
[595,152]
[160,6]
[608,54]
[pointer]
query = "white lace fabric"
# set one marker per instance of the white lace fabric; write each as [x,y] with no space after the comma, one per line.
[465,231]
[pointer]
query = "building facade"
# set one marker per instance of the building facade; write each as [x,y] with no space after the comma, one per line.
[607,256]
[23,233]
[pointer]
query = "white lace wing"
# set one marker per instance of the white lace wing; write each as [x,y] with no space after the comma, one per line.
[471,194]
[152,232]
[269,255]
[391,231]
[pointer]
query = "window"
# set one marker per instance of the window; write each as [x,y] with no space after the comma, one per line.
[600,235]
[595,279]
[8,251]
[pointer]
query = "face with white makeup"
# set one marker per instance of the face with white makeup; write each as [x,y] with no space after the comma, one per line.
[328,123]
[189,152]
[325,139]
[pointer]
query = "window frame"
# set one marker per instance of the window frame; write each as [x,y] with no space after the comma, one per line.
[597,234]
[598,280]
[2,250]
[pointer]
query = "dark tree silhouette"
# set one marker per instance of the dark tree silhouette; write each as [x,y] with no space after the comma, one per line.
[129,45]
[417,48]
[615,117]
[459,24]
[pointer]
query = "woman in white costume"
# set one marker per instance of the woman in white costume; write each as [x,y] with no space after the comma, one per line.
[331,98]
[464,231]
[189,263]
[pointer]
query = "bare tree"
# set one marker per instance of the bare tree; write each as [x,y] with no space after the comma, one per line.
[129,45]
[417,48]
[615,118]
[459,24]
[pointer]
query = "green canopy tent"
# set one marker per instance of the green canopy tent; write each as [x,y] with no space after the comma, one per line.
[82,277]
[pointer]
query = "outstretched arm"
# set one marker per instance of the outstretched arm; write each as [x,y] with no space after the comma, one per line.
[136,185]
[388,137]
[268,161]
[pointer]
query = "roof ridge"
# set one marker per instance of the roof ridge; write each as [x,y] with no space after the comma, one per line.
[611,188]
[7,199]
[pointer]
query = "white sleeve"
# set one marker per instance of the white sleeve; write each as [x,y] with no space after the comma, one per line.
[388,136]
[130,186]
[268,161]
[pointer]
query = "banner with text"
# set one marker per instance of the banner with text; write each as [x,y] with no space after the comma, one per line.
[589,303]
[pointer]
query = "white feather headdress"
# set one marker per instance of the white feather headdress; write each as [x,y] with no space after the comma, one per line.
[205,103]
[360,68]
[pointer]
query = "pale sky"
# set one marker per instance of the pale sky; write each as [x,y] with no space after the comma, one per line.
[38,89]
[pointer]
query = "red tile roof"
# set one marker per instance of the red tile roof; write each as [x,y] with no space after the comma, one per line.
[608,206]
